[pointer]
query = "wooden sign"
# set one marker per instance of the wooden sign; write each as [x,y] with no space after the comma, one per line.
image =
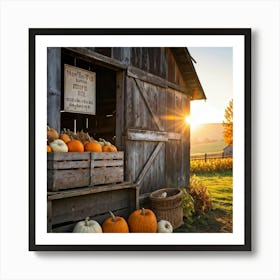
[79,90]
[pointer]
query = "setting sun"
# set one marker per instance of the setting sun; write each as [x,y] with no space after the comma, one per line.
[201,113]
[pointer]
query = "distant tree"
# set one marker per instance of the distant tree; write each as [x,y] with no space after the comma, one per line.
[228,124]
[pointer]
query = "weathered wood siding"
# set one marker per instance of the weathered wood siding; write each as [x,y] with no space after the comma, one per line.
[53,87]
[158,61]
[152,99]
[139,117]
[157,139]
[66,208]
[177,151]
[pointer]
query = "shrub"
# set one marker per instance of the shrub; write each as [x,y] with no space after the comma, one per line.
[188,206]
[200,195]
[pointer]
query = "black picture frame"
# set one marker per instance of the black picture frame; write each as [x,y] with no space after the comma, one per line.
[246,33]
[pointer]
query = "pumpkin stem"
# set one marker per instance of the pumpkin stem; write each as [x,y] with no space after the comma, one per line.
[89,139]
[143,211]
[86,221]
[113,216]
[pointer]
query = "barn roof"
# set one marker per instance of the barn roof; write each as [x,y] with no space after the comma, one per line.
[185,64]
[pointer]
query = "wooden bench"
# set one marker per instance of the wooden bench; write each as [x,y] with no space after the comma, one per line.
[67,207]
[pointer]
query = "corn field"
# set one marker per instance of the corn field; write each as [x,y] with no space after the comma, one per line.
[211,166]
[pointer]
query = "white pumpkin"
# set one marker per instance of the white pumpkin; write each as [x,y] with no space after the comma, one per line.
[164,227]
[87,226]
[164,194]
[59,146]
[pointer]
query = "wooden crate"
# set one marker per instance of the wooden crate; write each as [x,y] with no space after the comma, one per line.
[106,168]
[66,208]
[75,170]
[68,170]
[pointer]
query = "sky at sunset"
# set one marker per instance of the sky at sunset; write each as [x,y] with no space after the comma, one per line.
[214,69]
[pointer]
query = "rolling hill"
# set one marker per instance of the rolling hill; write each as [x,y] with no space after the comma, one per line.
[207,138]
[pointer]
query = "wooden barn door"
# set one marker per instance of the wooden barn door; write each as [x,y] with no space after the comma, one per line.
[177,148]
[156,149]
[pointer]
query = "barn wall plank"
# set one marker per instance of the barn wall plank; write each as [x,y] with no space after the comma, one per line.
[93,56]
[129,105]
[54,87]
[178,144]
[120,109]
[186,145]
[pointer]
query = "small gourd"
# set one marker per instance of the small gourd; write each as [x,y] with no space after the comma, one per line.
[87,226]
[107,146]
[163,195]
[52,134]
[65,137]
[164,226]
[93,146]
[59,146]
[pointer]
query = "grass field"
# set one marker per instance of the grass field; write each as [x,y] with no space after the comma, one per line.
[220,189]
[219,219]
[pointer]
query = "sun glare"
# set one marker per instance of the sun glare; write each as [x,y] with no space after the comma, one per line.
[188,119]
[193,123]
[201,113]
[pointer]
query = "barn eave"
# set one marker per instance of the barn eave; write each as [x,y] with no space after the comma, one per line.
[186,67]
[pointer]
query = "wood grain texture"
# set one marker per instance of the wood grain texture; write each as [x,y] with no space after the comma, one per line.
[148,164]
[158,118]
[75,170]
[53,87]
[67,179]
[71,206]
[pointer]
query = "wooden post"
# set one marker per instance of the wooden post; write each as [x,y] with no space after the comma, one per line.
[205,157]
[53,87]
[120,119]
[49,216]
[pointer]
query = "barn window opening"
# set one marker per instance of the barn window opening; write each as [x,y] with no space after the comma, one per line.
[102,124]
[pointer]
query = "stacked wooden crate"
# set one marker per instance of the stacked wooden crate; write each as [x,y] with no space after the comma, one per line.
[87,184]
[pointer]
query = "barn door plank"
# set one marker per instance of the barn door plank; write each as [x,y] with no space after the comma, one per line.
[146,135]
[145,98]
[148,164]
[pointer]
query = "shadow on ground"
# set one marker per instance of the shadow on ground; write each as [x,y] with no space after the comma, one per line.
[213,221]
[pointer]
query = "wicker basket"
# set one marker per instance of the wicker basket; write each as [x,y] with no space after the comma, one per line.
[170,207]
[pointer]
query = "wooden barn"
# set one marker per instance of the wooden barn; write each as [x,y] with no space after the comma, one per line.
[142,97]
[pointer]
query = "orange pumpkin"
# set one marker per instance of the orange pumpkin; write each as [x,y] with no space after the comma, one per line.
[75,146]
[93,147]
[142,220]
[65,137]
[85,144]
[49,149]
[115,224]
[109,148]
[52,134]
